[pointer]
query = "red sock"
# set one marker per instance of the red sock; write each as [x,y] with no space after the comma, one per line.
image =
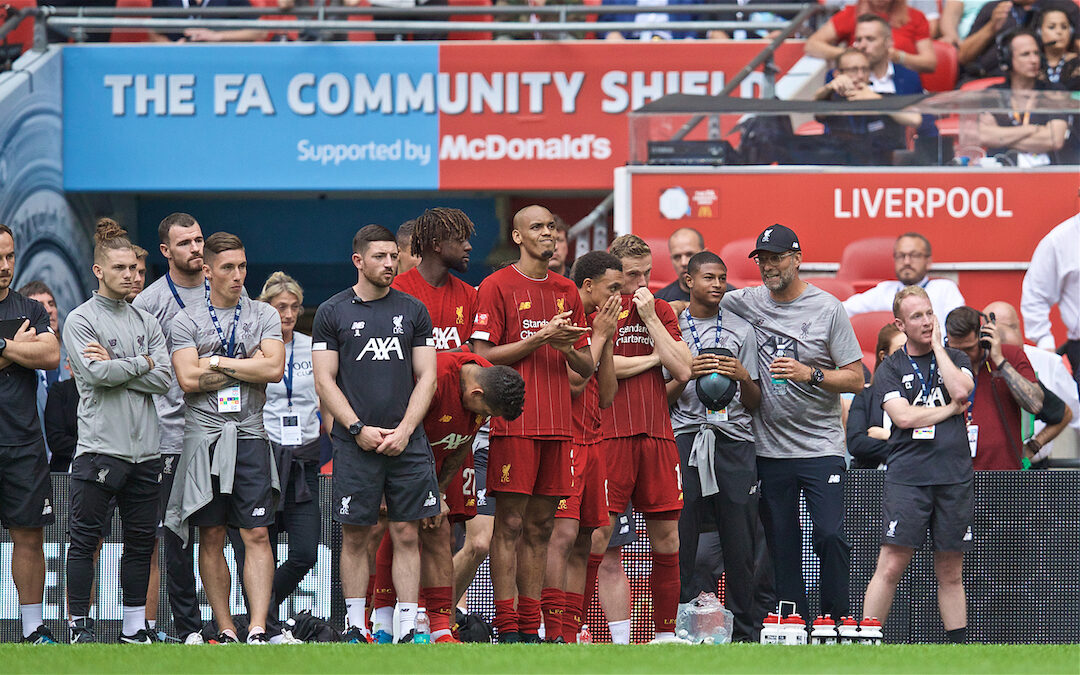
[370,590]
[506,620]
[664,583]
[572,616]
[553,601]
[384,594]
[590,580]
[437,601]
[528,611]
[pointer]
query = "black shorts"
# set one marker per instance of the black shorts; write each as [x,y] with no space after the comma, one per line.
[485,501]
[948,510]
[252,502]
[625,530]
[363,478]
[26,497]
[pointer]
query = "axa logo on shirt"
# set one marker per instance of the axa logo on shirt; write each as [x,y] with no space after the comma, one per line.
[446,338]
[382,348]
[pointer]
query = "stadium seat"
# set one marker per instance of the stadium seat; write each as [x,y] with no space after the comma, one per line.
[811,128]
[119,35]
[865,262]
[470,35]
[869,359]
[663,273]
[981,83]
[838,288]
[866,328]
[944,76]
[361,35]
[276,16]
[24,34]
[741,271]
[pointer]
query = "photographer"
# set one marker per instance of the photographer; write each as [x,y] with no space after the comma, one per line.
[1005,383]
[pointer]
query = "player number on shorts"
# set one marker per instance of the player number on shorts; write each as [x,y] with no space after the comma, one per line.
[468,482]
[678,475]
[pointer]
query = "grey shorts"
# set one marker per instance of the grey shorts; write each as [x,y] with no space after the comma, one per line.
[948,510]
[362,479]
[252,502]
[26,498]
[485,501]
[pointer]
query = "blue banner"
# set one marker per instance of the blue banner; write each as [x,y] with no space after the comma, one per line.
[250,117]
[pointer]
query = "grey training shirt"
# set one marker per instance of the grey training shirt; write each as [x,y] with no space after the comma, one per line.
[815,330]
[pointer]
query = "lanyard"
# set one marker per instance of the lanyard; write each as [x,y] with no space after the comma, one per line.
[926,385]
[288,377]
[176,295]
[694,333]
[229,350]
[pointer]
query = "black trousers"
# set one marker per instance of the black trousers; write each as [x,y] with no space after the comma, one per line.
[95,481]
[303,522]
[734,510]
[179,564]
[821,481]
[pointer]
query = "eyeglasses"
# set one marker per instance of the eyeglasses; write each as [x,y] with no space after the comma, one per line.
[918,255]
[772,259]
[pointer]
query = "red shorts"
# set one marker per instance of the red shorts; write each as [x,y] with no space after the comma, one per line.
[588,504]
[530,466]
[461,492]
[645,471]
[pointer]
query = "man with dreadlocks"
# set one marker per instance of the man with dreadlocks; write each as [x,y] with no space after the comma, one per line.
[440,237]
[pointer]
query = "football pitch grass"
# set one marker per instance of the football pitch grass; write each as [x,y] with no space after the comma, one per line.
[486,659]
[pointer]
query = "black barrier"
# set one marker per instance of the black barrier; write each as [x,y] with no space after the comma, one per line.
[1022,578]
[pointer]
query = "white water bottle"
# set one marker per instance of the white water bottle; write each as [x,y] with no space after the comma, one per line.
[779,385]
[423,627]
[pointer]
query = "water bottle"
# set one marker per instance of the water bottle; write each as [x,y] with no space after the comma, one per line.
[422,635]
[584,637]
[779,386]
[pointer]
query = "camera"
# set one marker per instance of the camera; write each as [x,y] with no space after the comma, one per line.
[984,339]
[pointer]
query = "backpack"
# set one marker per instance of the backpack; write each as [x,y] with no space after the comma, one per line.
[309,628]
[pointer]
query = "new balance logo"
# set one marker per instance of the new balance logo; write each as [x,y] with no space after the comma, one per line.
[892,528]
[260,511]
[344,510]
[446,338]
[357,326]
[47,509]
[102,474]
[431,500]
[835,478]
[453,441]
[525,305]
[381,348]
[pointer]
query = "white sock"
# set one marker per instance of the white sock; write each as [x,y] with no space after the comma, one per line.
[664,635]
[31,618]
[382,618]
[354,608]
[134,619]
[151,623]
[435,635]
[620,632]
[404,618]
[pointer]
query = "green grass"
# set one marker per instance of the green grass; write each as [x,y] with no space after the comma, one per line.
[484,659]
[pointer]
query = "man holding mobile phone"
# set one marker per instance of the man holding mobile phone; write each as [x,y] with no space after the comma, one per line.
[26,500]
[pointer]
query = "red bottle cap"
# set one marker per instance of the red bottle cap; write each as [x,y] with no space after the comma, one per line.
[823,621]
[772,618]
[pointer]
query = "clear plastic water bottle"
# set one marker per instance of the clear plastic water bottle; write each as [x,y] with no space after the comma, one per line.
[584,637]
[779,386]
[423,627]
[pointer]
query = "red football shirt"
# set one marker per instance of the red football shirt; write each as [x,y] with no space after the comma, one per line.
[640,405]
[511,307]
[587,414]
[452,306]
[904,36]
[448,425]
[995,451]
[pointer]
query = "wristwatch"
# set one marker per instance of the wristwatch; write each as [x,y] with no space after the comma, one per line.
[215,361]
[816,376]
[3,346]
[356,427]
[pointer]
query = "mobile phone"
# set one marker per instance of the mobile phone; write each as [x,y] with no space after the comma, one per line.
[8,327]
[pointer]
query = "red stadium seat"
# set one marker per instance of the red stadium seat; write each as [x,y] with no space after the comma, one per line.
[811,128]
[867,326]
[361,35]
[483,18]
[272,4]
[24,34]
[838,288]
[944,76]
[865,262]
[663,272]
[119,35]
[982,83]
[741,271]
[869,359]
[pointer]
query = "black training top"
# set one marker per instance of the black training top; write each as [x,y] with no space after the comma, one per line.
[19,424]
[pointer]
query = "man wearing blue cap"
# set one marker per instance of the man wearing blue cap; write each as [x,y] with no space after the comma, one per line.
[711,418]
[807,347]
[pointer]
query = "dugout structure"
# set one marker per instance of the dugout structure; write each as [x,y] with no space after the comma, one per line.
[1022,578]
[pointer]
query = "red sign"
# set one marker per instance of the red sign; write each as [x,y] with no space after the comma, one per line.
[553,116]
